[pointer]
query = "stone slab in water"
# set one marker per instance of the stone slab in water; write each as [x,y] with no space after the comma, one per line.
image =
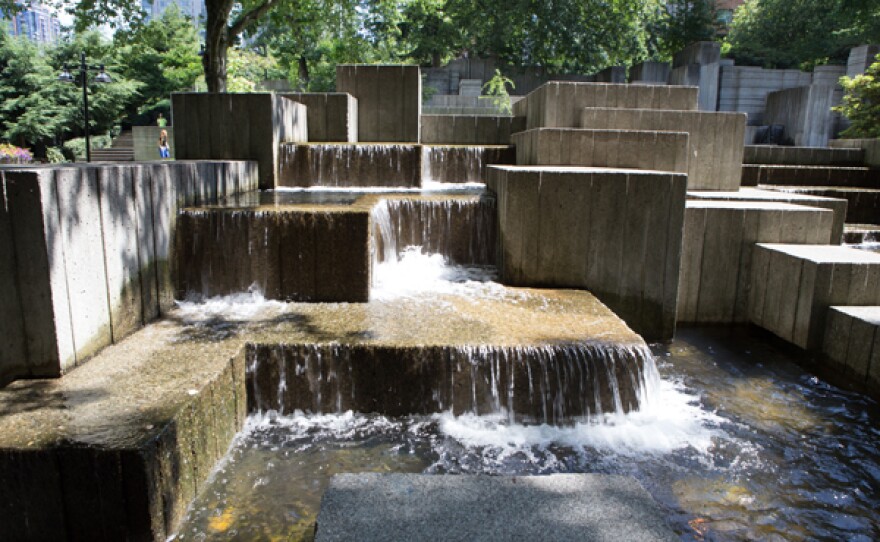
[615,232]
[716,258]
[837,205]
[852,343]
[117,449]
[715,142]
[792,287]
[638,149]
[559,507]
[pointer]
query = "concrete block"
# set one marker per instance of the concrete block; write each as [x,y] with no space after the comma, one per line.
[699,52]
[861,58]
[546,240]
[460,164]
[360,164]
[389,100]
[13,349]
[557,507]
[469,129]
[656,73]
[805,112]
[804,281]
[717,252]
[662,151]
[332,117]
[851,342]
[804,156]
[714,143]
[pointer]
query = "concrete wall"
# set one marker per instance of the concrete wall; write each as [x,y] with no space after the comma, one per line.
[705,77]
[861,58]
[462,164]
[146,142]
[326,164]
[237,127]
[792,287]
[714,142]
[662,151]
[332,117]
[90,254]
[870,146]
[447,79]
[716,257]
[612,74]
[289,255]
[699,52]
[617,234]
[470,129]
[655,73]
[805,112]
[852,343]
[835,205]
[745,88]
[805,156]
[559,104]
[389,100]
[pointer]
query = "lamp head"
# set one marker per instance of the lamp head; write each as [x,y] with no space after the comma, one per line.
[65,76]
[102,76]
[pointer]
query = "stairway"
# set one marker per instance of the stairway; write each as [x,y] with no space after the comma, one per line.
[121,150]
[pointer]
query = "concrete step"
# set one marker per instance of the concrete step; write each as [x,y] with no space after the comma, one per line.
[852,343]
[558,507]
[862,177]
[856,234]
[792,287]
[802,156]
[863,204]
[113,155]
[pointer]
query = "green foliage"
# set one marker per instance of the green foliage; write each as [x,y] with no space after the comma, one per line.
[55,155]
[801,34]
[75,149]
[678,23]
[496,88]
[247,68]
[861,103]
[428,34]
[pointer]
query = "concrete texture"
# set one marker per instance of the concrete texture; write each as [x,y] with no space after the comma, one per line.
[714,139]
[805,112]
[89,258]
[559,104]
[237,127]
[650,150]
[792,287]
[861,58]
[703,76]
[765,174]
[617,233]
[803,156]
[716,255]
[358,164]
[852,343]
[611,74]
[863,204]
[389,100]
[745,88]
[561,507]
[462,164]
[332,116]
[870,146]
[146,142]
[699,52]
[836,205]
[654,73]
[291,255]
[117,449]
[469,129]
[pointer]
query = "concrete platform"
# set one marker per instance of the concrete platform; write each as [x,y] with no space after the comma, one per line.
[852,343]
[714,143]
[628,149]
[469,129]
[389,100]
[462,163]
[804,156]
[863,204]
[615,232]
[350,165]
[836,205]
[716,259]
[558,507]
[862,177]
[792,287]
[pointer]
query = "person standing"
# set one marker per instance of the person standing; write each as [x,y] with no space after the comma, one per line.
[161,121]
[164,152]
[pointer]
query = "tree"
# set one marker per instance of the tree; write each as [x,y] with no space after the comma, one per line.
[428,33]
[861,103]
[681,22]
[802,34]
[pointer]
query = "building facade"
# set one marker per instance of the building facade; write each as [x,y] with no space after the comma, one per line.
[36,22]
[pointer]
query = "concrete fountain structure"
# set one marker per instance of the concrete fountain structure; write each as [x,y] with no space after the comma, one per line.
[612,213]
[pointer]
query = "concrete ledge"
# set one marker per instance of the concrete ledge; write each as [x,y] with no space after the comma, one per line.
[629,149]
[792,287]
[852,343]
[803,156]
[117,449]
[558,104]
[714,143]
[863,204]
[469,129]
[389,100]
[90,253]
[716,257]
[837,205]
[293,255]
[862,177]
[332,116]
[237,127]
[617,233]
[871,148]
[462,164]
[350,165]
[559,507]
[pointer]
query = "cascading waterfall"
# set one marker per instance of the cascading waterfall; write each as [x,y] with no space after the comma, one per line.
[447,164]
[350,165]
[460,230]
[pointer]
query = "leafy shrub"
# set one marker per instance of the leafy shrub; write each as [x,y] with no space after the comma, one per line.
[861,103]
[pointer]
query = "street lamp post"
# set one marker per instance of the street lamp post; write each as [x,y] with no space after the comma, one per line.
[84,69]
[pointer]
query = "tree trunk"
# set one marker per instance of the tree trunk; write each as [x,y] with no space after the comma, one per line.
[303,73]
[217,42]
